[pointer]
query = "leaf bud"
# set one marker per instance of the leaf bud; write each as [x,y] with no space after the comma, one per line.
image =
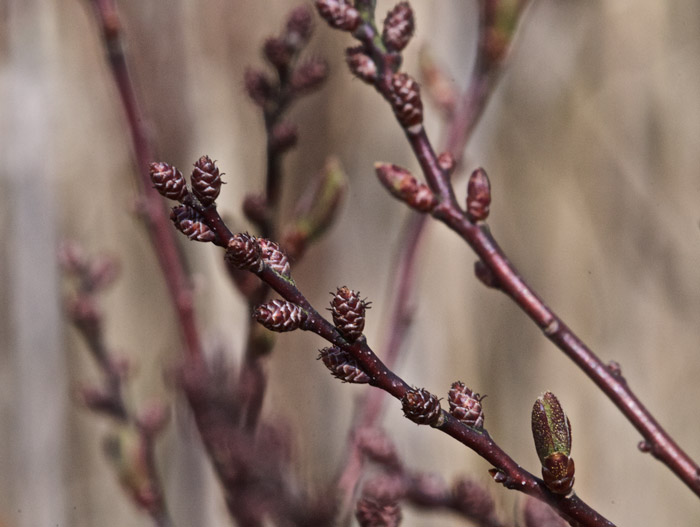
[404,186]
[478,195]
[551,430]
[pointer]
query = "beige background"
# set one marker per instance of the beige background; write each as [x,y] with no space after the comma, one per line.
[592,145]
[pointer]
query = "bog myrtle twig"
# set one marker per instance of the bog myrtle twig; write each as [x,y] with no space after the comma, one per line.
[130,446]
[296,312]
[493,267]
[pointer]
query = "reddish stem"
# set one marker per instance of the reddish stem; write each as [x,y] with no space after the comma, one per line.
[154,212]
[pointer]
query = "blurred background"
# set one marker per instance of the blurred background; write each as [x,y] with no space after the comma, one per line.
[592,144]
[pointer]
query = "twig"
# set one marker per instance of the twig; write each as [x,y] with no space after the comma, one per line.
[131,446]
[244,252]
[154,213]
[461,123]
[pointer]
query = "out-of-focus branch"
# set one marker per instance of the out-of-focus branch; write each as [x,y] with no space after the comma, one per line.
[130,446]
[150,203]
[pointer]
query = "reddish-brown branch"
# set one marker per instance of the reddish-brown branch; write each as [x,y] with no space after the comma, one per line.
[511,474]
[154,212]
[480,240]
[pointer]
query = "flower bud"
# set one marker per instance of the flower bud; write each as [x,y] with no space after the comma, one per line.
[206,181]
[361,65]
[405,100]
[404,186]
[339,14]
[478,195]
[168,181]
[280,315]
[244,252]
[552,433]
[343,366]
[422,407]
[348,312]
[465,405]
[191,223]
[398,27]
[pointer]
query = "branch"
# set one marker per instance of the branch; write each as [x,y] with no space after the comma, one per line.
[404,96]
[153,211]
[362,364]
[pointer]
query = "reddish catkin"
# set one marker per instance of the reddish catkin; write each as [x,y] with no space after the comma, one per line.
[405,100]
[280,315]
[399,25]
[422,407]
[339,14]
[206,181]
[168,181]
[465,405]
[274,257]
[244,252]
[190,223]
[343,366]
[348,311]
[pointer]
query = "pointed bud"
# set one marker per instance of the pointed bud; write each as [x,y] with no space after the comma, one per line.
[168,181]
[485,275]
[405,100]
[244,252]
[299,27]
[280,315]
[309,76]
[398,27]
[478,195]
[206,181]
[552,433]
[274,257]
[277,52]
[348,313]
[343,366]
[422,407]
[191,223]
[258,86]
[339,14]
[361,65]
[465,405]
[404,186]
[283,137]
[474,501]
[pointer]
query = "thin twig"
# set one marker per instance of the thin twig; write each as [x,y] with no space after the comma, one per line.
[154,213]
